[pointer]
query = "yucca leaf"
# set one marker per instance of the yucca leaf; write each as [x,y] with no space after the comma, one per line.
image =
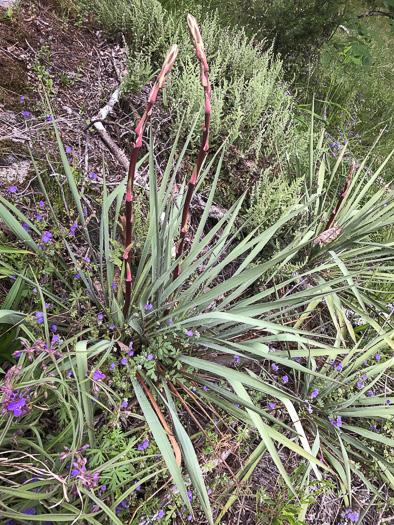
[162,441]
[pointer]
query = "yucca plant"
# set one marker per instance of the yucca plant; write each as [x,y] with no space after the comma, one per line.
[183,317]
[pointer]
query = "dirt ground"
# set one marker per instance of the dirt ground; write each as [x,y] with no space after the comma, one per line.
[81,70]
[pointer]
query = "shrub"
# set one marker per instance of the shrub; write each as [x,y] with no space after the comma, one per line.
[250,103]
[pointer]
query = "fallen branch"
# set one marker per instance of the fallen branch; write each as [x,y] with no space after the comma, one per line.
[97,123]
[197,204]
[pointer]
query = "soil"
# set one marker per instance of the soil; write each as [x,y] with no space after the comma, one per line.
[81,71]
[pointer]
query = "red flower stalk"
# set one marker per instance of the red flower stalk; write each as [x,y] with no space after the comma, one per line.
[199,45]
[343,195]
[139,131]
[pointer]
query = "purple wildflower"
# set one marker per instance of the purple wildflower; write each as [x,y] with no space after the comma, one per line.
[170,321]
[237,358]
[92,175]
[190,333]
[275,367]
[144,445]
[370,393]
[77,276]
[39,317]
[124,404]
[47,236]
[12,189]
[351,515]
[112,366]
[113,285]
[124,361]
[68,149]
[315,393]
[112,326]
[22,99]
[16,406]
[150,357]
[97,375]
[87,259]
[359,384]
[30,511]
[337,423]
[378,357]
[53,328]
[285,379]
[25,113]
[148,306]
[100,316]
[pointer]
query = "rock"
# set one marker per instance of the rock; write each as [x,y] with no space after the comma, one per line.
[7,3]
[16,172]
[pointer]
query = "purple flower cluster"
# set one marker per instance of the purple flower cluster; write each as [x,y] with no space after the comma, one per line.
[38,347]
[352,515]
[315,393]
[336,367]
[122,506]
[337,423]
[144,445]
[47,236]
[148,306]
[89,479]
[98,376]
[13,401]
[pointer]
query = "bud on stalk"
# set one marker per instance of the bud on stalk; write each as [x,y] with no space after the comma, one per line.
[199,46]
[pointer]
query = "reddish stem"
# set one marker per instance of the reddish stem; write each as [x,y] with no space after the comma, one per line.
[343,195]
[199,45]
[139,131]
